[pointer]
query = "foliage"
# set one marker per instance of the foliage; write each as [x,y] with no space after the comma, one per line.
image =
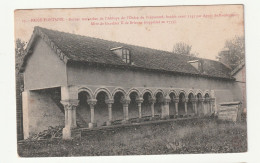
[182,136]
[182,48]
[234,52]
[50,133]
[19,52]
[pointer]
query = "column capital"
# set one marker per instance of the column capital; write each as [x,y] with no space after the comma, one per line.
[166,101]
[92,102]
[109,101]
[69,104]
[176,99]
[125,101]
[152,100]
[212,99]
[139,100]
[201,99]
[207,99]
[194,100]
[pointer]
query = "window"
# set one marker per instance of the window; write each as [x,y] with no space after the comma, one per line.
[126,56]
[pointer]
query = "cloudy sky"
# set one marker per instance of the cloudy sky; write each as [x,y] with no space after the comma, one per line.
[206,28]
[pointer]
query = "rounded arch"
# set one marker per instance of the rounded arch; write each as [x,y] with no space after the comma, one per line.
[103,89]
[133,90]
[118,89]
[148,91]
[172,91]
[85,89]
[206,93]
[191,95]
[191,92]
[199,92]
[182,91]
[157,91]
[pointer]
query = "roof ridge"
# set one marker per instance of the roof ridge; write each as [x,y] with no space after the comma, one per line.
[103,39]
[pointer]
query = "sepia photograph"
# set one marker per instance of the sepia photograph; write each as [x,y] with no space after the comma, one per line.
[130,81]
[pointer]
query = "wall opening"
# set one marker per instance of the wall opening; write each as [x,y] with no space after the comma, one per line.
[172,109]
[101,111]
[83,110]
[117,107]
[133,107]
[146,105]
[158,104]
[181,107]
[190,109]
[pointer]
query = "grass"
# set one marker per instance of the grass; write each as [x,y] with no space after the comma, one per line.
[178,137]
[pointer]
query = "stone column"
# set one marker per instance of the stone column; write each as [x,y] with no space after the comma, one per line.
[176,101]
[92,103]
[207,103]
[125,103]
[212,103]
[195,108]
[139,103]
[185,104]
[200,100]
[152,101]
[166,111]
[109,108]
[202,106]
[70,117]
[194,105]
[26,114]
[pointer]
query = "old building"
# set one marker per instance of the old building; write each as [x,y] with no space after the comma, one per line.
[78,81]
[239,73]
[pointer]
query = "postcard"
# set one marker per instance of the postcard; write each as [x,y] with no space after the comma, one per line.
[130,81]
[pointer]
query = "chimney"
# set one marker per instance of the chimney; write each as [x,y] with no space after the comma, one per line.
[197,64]
[223,55]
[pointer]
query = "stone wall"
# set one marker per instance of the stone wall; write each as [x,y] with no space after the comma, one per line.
[127,79]
[240,91]
[84,75]
[39,112]
[44,69]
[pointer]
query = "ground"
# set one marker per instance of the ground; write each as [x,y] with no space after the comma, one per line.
[175,137]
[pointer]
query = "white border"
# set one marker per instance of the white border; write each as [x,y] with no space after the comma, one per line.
[7,83]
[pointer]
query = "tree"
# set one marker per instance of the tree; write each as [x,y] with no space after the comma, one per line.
[19,52]
[182,48]
[19,55]
[234,52]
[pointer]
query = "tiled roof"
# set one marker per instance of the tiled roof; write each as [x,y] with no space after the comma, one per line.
[76,48]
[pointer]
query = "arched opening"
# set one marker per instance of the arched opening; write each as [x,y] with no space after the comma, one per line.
[101,112]
[199,104]
[133,106]
[83,110]
[207,104]
[172,108]
[158,104]
[181,107]
[146,105]
[190,110]
[117,107]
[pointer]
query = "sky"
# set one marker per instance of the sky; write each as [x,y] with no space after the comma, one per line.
[206,28]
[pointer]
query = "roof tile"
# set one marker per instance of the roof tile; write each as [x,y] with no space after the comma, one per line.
[88,49]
